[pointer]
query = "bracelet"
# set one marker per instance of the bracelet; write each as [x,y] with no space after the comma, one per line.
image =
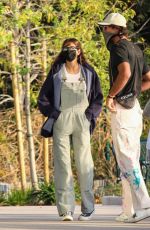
[109,96]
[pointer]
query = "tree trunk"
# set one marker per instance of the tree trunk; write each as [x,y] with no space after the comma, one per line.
[20,84]
[45,140]
[27,108]
[18,116]
[15,9]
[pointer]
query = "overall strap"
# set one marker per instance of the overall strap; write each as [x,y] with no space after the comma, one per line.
[81,79]
[64,78]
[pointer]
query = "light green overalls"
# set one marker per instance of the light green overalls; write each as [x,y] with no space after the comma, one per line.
[73,122]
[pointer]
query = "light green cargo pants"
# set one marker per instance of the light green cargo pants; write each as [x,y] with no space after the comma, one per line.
[73,123]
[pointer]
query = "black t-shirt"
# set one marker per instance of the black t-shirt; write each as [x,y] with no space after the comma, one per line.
[126,51]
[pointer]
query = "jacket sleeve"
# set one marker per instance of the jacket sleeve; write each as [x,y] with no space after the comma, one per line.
[95,101]
[46,98]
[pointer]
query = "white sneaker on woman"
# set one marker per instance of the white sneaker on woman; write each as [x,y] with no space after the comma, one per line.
[68,216]
[86,216]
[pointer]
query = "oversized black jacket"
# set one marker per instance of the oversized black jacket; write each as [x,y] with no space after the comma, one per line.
[49,96]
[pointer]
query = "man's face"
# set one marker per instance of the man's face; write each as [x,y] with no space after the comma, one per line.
[109,32]
[111,29]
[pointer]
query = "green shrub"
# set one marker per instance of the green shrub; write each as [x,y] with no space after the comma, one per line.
[2,198]
[113,189]
[47,194]
[44,196]
[17,197]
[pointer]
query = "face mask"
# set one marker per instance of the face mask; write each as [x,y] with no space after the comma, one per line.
[107,37]
[69,54]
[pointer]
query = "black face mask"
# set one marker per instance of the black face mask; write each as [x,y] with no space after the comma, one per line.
[107,37]
[69,54]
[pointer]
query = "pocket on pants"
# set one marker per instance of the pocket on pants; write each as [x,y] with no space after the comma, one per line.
[58,122]
[81,122]
[129,118]
[85,117]
[86,121]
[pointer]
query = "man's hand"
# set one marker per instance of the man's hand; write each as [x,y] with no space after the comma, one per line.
[110,103]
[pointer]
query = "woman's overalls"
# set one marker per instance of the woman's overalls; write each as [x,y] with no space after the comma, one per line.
[72,122]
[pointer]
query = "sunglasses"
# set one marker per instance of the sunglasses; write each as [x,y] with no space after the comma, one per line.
[68,48]
[110,26]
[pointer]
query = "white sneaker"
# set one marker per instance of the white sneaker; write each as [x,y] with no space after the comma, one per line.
[67,216]
[139,215]
[86,216]
[122,217]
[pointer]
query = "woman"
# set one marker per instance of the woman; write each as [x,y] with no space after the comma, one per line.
[71,95]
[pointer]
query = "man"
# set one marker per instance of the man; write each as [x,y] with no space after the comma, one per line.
[128,76]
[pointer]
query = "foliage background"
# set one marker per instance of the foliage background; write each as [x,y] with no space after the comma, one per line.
[54,21]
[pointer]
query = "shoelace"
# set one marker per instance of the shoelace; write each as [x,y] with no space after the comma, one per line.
[86,214]
[67,213]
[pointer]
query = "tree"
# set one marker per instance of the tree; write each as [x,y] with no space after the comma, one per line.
[18,116]
[54,20]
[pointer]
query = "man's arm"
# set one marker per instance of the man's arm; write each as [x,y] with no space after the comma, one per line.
[145,81]
[123,76]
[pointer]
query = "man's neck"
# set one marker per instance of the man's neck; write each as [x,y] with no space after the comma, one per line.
[117,38]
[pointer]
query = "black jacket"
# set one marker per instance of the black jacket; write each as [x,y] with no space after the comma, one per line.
[49,96]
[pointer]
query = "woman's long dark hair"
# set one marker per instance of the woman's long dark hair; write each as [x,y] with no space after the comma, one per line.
[61,59]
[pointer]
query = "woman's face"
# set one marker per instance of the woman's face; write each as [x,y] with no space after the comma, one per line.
[73,46]
[70,51]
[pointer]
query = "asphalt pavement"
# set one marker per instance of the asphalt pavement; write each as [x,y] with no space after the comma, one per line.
[46,217]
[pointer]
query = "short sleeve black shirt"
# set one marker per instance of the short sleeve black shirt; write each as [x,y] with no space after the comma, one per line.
[126,51]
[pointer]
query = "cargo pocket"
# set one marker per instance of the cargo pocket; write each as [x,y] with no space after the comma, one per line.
[130,118]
